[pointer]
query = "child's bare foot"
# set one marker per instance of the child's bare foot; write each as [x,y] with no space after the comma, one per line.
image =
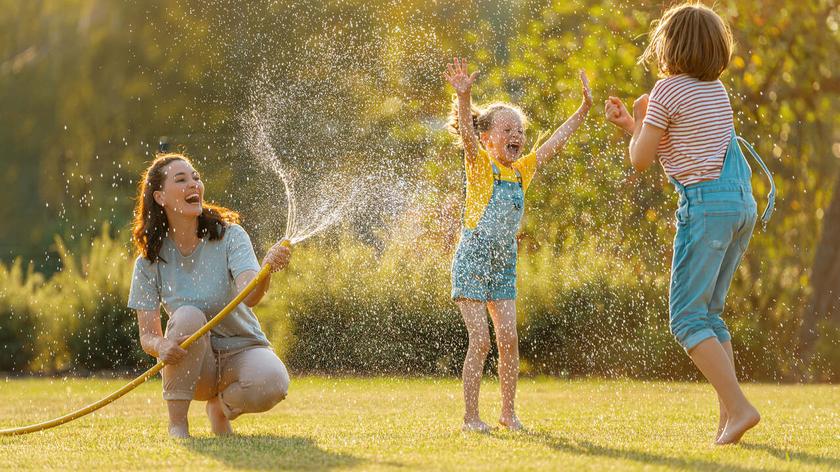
[219,423]
[721,424]
[737,425]
[181,431]
[511,422]
[475,426]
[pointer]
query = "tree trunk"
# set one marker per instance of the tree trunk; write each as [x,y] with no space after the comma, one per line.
[825,283]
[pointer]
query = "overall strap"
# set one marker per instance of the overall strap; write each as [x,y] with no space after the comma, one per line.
[497,175]
[771,196]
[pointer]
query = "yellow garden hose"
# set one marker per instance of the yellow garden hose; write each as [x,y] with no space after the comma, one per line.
[263,273]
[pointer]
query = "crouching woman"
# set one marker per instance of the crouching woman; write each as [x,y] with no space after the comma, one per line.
[193,260]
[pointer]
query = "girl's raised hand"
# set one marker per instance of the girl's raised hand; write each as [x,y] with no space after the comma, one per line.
[457,76]
[587,92]
[617,114]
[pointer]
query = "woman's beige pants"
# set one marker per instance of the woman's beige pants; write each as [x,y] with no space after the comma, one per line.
[248,381]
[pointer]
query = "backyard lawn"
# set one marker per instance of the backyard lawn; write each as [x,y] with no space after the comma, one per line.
[413,424]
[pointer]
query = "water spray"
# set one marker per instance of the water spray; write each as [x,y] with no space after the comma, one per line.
[261,275]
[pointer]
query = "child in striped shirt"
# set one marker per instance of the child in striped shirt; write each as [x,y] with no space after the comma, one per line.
[687,124]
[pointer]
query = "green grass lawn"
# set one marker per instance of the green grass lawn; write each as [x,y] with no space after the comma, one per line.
[413,424]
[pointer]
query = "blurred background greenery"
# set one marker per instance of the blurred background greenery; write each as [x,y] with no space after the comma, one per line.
[90,87]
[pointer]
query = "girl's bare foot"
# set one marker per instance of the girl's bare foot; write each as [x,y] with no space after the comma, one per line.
[738,425]
[475,426]
[721,424]
[181,431]
[511,422]
[219,423]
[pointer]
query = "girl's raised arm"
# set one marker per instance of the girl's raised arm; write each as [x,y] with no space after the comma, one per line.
[645,137]
[459,78]
[557,140]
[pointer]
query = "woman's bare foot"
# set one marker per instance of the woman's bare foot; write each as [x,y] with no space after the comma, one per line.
[219,423]
[737,425]
[181,431]
[511,422]
[475,426]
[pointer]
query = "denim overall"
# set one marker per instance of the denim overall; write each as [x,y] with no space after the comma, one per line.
[715,220]
[484,267]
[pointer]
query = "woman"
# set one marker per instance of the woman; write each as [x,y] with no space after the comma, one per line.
[193,259]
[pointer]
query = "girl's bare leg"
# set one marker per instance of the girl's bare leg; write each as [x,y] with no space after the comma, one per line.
[727,346]
[713,361]
[503,313]
[475,317]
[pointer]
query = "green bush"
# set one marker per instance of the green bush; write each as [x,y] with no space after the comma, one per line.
[586,313]
[345,307]
[352,310]
[18,322]
[101,332]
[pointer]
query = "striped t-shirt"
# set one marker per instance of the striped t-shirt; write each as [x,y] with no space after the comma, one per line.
[697,119]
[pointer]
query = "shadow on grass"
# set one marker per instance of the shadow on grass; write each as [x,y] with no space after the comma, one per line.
[264,452]
[794,456]
[591,449]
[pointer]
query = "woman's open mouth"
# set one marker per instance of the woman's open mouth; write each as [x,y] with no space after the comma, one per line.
[193,199]
[513,148]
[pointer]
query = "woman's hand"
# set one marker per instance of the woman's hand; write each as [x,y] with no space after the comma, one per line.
[169,350]
[617,114]
[459,78]
[278,257]
[587,92]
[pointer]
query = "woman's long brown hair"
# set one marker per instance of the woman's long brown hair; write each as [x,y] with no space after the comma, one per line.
[150,223]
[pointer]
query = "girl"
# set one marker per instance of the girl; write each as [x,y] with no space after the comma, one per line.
[484,266]
[687,124]
[193,259]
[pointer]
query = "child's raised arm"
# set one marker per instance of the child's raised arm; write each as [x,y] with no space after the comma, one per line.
[459,78]
[557,140]
[645,140]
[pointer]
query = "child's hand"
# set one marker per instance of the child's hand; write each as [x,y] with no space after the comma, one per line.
[587,92]
[617,114]
[458,77]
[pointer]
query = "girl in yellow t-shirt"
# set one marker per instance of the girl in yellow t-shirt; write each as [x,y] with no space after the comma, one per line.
[484,267]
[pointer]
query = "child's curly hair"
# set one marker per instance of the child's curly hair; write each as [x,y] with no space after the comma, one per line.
[482,117]
[692,39]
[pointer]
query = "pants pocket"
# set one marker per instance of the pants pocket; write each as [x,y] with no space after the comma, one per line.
[718,226]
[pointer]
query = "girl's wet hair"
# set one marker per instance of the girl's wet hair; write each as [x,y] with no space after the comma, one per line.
[482,117]
[151,226]
[692,39]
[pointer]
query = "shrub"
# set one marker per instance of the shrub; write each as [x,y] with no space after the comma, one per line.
[18,323]
[352,310]
[101,331]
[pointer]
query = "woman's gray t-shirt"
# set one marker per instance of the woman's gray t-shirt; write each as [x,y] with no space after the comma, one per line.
[206,280]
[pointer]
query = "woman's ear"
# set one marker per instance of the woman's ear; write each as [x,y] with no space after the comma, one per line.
[158,196]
